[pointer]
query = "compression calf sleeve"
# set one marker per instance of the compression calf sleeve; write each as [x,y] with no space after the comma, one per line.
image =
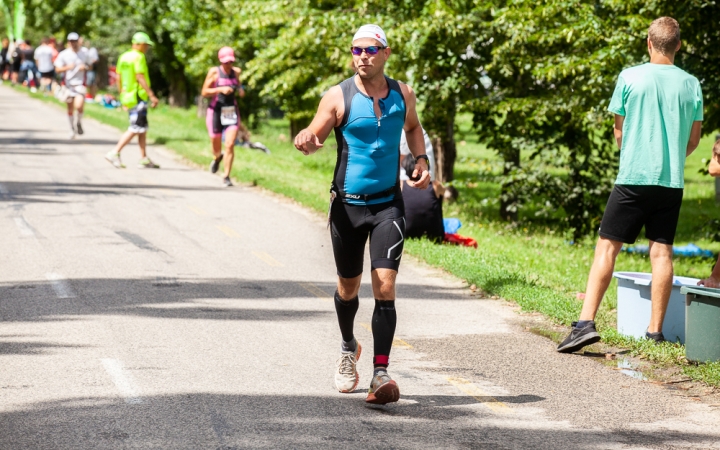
[72,122]
[346,310]
[384,320]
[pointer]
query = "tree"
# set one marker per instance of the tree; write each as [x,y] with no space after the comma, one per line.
[553,69]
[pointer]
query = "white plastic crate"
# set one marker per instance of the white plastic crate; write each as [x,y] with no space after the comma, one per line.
[634,306]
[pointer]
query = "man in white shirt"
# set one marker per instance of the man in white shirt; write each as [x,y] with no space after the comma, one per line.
[90,74]
[44,61]
[405,150]
[72,63]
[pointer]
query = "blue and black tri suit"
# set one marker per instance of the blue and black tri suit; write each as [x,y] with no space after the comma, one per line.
[366,181]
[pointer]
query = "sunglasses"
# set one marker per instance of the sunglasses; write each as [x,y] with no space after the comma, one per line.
[372,50]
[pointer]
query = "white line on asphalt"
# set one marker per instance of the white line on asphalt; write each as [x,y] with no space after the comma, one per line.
[25,228]
[60,285]
[122,380]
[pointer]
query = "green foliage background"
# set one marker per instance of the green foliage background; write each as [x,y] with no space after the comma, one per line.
[535,76]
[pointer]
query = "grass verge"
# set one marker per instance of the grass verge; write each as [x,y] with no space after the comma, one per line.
[534,266]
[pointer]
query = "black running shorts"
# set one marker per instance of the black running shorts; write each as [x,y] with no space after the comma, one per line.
[629,208]
[350,226]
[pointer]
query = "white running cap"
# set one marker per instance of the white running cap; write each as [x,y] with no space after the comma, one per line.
[73,36]
[373,32]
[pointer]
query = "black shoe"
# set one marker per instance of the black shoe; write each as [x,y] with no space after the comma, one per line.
[579,338]
[79,128]
[657,337]
[215,164]
[227,182]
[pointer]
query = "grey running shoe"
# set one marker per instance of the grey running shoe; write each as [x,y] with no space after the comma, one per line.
[346,376]
[657,336]
[227,182]
[215,164]
[145,163]
[79,128]
[579,338]
[382,389]
[114,159]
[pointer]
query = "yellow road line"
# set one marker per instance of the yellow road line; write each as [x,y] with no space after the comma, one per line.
[269,260]
[397,342]
[196,210]
[316,291]
[468,388]
[228,231]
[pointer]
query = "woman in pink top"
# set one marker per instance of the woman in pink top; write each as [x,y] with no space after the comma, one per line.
[222,85]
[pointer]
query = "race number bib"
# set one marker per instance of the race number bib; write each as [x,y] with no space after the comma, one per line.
[228,116]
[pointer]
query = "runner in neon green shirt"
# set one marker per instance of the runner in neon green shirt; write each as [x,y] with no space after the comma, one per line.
[134,87]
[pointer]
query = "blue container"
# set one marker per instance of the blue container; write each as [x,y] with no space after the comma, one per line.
[634,306]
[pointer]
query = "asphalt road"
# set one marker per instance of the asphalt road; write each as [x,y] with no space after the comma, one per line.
[156,309]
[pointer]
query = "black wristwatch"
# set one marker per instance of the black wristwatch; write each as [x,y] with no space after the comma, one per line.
[425,157]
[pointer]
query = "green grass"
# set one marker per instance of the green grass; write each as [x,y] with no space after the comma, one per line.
[533,266]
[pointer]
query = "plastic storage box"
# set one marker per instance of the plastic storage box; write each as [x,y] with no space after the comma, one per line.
[634,306]
[702,323]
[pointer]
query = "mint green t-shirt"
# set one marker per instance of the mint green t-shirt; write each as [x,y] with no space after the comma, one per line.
[660,103]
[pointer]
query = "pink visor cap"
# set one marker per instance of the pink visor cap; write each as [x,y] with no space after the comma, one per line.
[226,54]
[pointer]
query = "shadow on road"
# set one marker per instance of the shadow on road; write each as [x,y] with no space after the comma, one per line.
[184,299]
[30,141]
[227,421]
[29,191]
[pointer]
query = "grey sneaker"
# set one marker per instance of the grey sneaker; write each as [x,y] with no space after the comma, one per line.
[145,163]
[114,159]
[80,128]
[346,376]
[579,338]
[215,164]
[657,336]
[227,182]
[382,389]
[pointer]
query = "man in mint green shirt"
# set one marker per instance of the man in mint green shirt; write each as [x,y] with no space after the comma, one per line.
[134,88]
[658,111]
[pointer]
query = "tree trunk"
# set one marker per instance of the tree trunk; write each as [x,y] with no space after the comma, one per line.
[440,122]
[507,199]
[177,95]
[202,105]
[297,125]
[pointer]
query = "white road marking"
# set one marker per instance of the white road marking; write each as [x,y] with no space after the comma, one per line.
[25,228]
[122,380]
[60,285]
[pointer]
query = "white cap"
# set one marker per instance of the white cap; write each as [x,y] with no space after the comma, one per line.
[73,36]
[373,32]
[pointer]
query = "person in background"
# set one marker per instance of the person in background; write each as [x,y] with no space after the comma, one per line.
[222,85]
[405,150]
[15,60]
[4,60]
[658,111]
[713,281]
[91,74]
[72,63]
[423,207]
[44,62]
[133,82]
[29,74]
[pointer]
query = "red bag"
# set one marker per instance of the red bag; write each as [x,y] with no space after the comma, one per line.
[460,240]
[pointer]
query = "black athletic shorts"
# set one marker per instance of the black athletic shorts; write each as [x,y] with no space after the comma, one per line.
[50,74]
[630,207]
[350,227]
